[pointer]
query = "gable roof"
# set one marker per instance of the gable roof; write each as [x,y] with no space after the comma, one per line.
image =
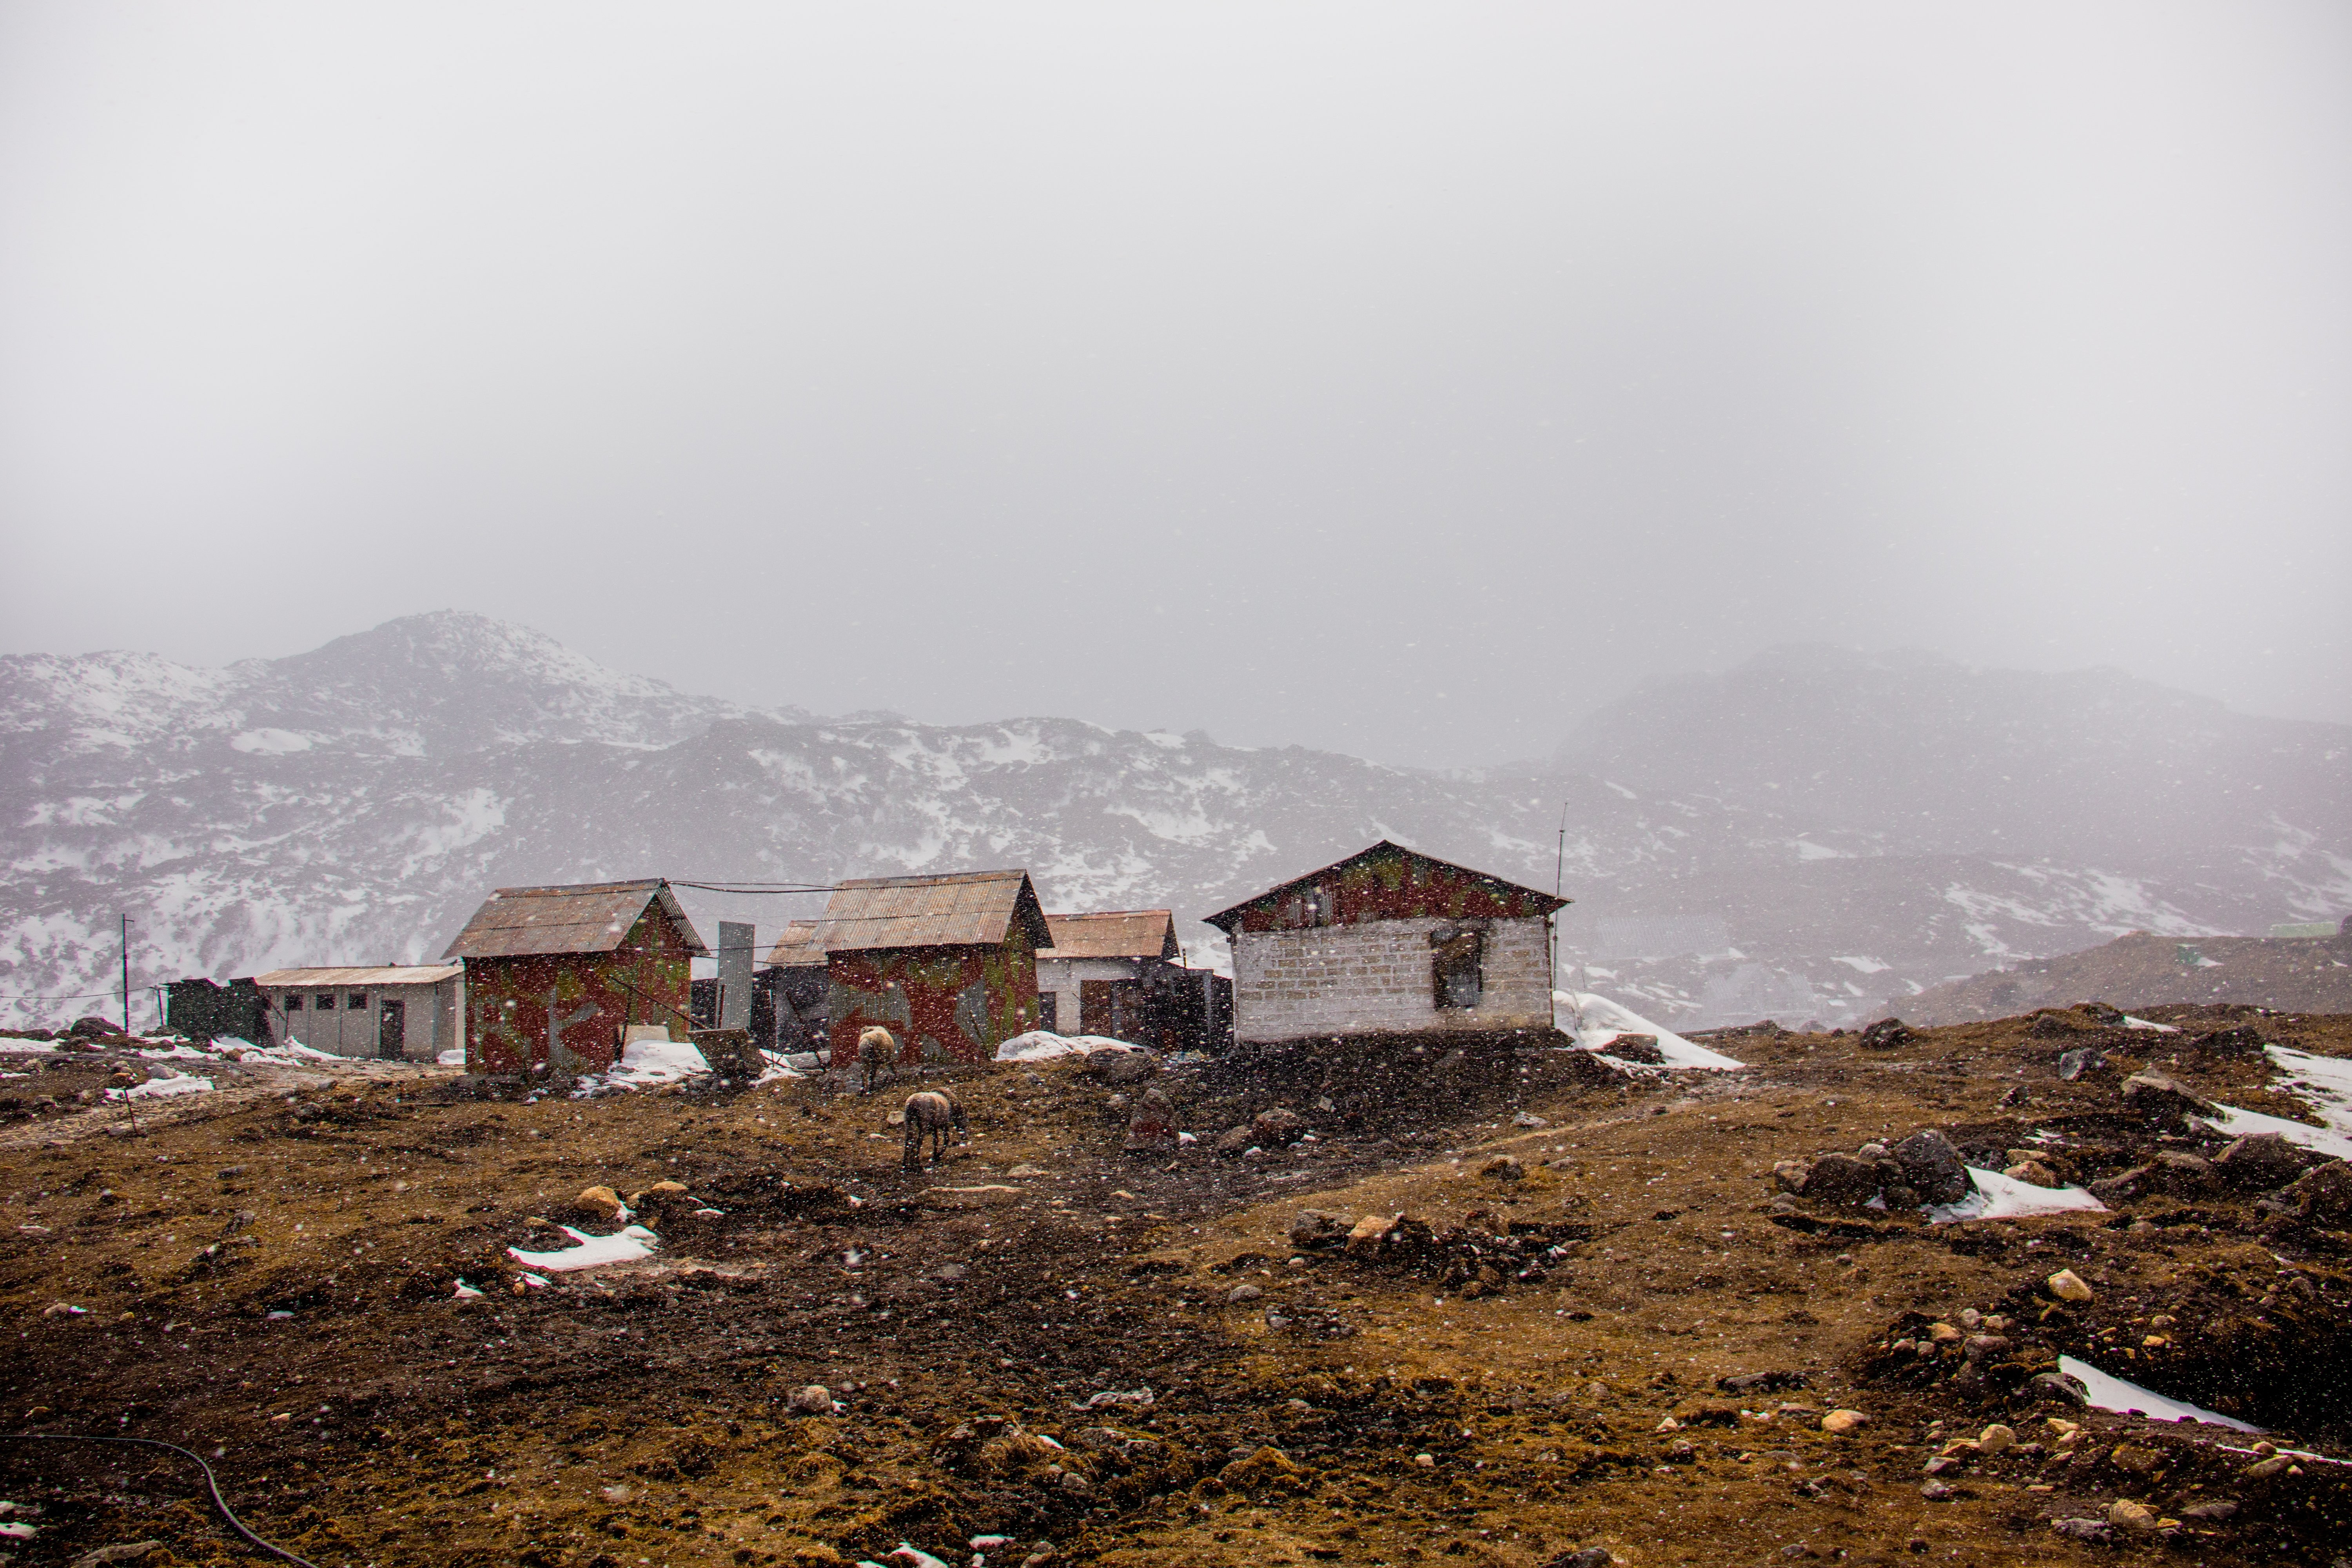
[967,909]
[1388,881]
[1116,934]
[798,947]
[589,917]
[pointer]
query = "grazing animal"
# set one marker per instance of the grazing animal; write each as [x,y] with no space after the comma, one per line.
[877,1048]
[932,1112]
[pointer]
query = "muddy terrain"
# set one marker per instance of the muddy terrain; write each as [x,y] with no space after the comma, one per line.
[1488,1308]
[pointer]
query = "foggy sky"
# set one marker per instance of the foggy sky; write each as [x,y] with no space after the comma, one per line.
[1402,380]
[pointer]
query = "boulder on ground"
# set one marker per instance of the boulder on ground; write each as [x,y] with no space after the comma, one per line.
[1843,1180]
[92,1026]
[2321,1196]
[2260,1162]
[1120,1067]
[1277,1128]
[1314,1227]
[1365,1234]
[1932,1167]
[2157,1098]
[597,1203]
[2073,1064]
[815,1399]
[2034,1173]
[1791,1175]
[1153,1124]
[1886,1034]
[1503,1168]
[1232,1140]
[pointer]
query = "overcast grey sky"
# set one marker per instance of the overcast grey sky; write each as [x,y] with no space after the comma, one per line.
[1397,379]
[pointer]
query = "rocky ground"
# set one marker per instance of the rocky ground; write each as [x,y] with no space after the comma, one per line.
[1538,1308]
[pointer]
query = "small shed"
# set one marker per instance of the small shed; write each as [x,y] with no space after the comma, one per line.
[1390,942]
[947,964]
[1121,973]
[556,976]
[394,1012]
[788,999]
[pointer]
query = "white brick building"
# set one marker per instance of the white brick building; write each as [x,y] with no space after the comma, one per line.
[1390,942]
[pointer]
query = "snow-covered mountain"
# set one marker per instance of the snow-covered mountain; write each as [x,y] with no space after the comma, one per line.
[1802,838]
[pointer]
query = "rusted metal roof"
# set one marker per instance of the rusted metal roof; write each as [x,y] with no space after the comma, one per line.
[382,976]
[1116,934]
[798,948]
[1387,881]
[592,917]
[968,909]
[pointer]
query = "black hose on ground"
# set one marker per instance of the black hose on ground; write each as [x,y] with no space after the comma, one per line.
[220,1503]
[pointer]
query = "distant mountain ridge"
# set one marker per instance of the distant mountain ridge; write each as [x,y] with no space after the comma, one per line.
[1802,836]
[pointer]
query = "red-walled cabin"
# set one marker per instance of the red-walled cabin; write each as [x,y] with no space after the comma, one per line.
[555,976]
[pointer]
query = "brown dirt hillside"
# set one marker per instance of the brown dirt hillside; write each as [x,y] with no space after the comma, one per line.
[2141,971]
[1625,1343]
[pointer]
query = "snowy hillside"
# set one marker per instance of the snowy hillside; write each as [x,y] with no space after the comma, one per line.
[352,805]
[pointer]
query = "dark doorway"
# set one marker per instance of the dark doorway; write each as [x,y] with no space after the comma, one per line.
[392,1031]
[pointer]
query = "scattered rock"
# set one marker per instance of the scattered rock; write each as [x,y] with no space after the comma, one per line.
[2034,1172]
[2081,1529]
[2261,1162]
[2073,1064]
[1841,1181]
[1241,1294]
[597,1203]
[2212,1512]
[1074,1483]
[2321,1195]
[1932,1167]
[2127,1515]
[1153,1124]
[815,1399]
[1791,1174]
[1276,1129]
[1503,1168]
[1641,1048]
[1025,1171]
[1314,1227]
[1523,1120]
[2155,1098]
[1366,1234]
[1840,1422]
[2067,1286]
[1996,1438]
[1886,1034]
[1120,1067]
[1232,1140]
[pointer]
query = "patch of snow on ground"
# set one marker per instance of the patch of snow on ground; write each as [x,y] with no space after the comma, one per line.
[161,1088]
[2109,1393]
[624,1246]
[290,1052]
[1599,1021]
[1996,1196]
[2132,1023]
[646,1064]
[180,1051]
[1039,1045]
[2232,1122]
[453,1057]
[2322,1083]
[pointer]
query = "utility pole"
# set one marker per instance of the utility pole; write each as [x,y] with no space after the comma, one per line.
[126,974]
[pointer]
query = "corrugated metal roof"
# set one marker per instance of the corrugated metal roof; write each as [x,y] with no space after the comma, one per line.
[1116,934]
[798,948]
[593,916]
[383,974]
[968,909]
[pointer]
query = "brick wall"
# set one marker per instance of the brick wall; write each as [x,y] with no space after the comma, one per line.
[1376,976]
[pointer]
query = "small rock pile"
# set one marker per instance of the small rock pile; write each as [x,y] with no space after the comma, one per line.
[1477,1258]
[1925,1168]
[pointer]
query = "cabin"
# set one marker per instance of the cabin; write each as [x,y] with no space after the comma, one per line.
[947,963]
[1390,942]
[394,1012]
[555,977]
[1121,973]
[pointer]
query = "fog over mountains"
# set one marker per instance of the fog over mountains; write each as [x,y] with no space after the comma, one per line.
[1804,837]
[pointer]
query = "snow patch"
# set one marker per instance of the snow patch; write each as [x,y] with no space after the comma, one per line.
[161,1088]
[1996,1196]
[624,1246]
[1599,1021]
[645,1064]
[269,742]
[1042,1045]
[1864,965]
[2110,1393]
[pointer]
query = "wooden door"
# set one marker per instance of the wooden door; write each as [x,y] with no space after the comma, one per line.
[392,1030]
